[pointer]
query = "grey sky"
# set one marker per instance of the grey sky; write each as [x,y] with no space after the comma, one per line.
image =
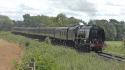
[82,9]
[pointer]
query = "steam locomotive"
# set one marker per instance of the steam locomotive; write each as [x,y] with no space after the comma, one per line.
[80,36]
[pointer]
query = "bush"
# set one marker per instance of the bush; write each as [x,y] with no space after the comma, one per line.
[32,49]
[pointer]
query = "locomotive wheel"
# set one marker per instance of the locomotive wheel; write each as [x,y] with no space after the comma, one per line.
[98,50]
[84,48]
[88,49]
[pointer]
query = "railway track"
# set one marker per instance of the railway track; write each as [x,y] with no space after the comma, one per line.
[111,56]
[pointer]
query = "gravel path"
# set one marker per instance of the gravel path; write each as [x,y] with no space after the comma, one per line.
[9,52]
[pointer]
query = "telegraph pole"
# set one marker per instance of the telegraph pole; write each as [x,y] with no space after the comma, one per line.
[123,41]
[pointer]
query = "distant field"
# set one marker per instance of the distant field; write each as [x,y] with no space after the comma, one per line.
[53,57]
[116,47]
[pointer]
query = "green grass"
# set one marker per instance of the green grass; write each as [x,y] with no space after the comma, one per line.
[116,47]
[51,57]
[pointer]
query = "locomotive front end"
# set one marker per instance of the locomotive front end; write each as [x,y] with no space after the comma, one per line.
[96,38]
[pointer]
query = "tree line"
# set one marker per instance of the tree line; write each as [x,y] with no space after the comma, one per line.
[42,20]
[114,29]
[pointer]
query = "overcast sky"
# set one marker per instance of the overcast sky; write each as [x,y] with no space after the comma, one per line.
[82,9]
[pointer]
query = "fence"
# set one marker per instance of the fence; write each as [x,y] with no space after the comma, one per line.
[31,65]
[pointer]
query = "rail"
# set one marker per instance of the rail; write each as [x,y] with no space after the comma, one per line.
[111,56]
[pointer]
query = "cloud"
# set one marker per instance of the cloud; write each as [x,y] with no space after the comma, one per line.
[109,9]
[82,9]
[75,5]
[24,7]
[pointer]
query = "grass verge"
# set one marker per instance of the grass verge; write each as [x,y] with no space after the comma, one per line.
[116,47]
[51,57]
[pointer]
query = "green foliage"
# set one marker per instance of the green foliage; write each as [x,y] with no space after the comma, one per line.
[43,60]
[60,20]
[52,57]
[34,50]
[5,23]
[120,28]
[116,47]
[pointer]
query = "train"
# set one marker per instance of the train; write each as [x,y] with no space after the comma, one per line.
[79,36]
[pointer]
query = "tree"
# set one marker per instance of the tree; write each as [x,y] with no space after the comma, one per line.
[61,19]
[5,23]
[120,27]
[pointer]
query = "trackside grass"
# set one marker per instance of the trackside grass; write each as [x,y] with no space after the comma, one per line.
[116,47]
[52,57]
